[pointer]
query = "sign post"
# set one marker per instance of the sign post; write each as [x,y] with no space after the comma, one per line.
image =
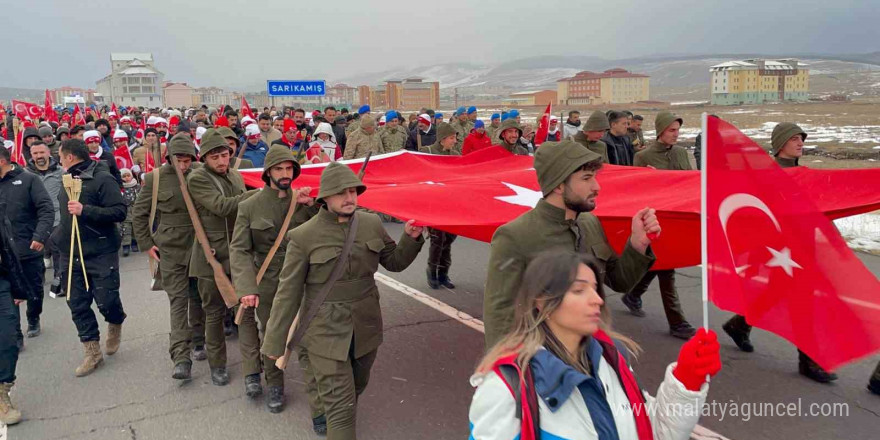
[296,87]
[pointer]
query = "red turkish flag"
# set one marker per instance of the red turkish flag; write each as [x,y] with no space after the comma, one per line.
[26,111]
[113,108]
[49,110]
[78,118]
[245,108]
[123,157]
[775,258]
[499,186]
[543,126]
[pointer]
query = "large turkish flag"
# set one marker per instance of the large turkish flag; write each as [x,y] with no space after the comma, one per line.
[775,258]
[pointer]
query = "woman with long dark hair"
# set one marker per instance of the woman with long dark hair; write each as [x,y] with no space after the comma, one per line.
[562,371]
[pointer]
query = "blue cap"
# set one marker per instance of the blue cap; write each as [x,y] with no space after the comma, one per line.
[364,109]
[390,114]
[513,114]
[505,116]
[479,124]
[496,116]
[471,110]
[461,110]
[438,115]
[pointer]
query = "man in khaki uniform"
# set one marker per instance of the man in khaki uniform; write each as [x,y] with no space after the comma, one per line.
[462,126]
[233,142]
[257,226]
[508,135]
[171,246]
[787,141]
[216,190]
[561,220]
[592,131]
[440,252]
[663,154]
[363,140]
[393,136]
[343,339]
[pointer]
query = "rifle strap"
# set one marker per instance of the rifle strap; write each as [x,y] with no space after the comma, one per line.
[328,286]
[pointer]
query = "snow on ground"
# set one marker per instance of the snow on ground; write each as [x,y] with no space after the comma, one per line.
[689,102]
[862,232]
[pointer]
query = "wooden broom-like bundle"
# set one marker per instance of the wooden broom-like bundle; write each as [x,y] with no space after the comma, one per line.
[73,187]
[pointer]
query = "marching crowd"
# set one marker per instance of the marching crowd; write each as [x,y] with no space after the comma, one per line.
[292,274]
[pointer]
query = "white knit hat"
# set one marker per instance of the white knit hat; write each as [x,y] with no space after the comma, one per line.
[199,132]
[246,121]
[252,131]
[92,136]
[119,134]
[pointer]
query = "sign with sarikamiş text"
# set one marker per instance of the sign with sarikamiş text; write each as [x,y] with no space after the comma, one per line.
[296,87]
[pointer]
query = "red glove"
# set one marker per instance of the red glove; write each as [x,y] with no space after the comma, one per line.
[698,357]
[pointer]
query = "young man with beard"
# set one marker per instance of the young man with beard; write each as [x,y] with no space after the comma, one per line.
[299,117]
[620,150]
[787,141]
[47,169]
[663,154]
[343,339]
[267,133]
[171,246]
[594,129]
[30,213]
[572,125]
[216,190]
[257,226]
[567,173]
[636,137]
[509,135]
[99,209]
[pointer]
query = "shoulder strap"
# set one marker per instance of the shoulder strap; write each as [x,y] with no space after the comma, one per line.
[325,289]
[529,415]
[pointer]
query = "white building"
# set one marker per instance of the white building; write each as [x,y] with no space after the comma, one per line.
[133,81]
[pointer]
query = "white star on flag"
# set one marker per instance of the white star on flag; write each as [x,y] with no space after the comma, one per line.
[783,259]
[523,197]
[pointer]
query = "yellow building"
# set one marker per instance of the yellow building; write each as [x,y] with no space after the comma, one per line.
[759,81]
[614,86]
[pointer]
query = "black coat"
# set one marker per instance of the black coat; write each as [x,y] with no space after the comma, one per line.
[620,149]
[29,209]
[429,138]
[103,207]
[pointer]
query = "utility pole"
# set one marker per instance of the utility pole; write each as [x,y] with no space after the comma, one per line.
[455,97]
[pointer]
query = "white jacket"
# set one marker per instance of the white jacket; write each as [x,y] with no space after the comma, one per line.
[673,414]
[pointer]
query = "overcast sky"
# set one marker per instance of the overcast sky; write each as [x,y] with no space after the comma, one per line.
[239,43]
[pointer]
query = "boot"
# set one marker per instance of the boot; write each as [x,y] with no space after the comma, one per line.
[634,304]
[8,414]
[33,329]
[126,250]
[319,424]
[443,278]
[275,399]
[219,376]
[738,330]
[874,386]
[114,335]
[92,360]
[811,369]
[20,344]
[199,353]
[252,385]
[433,282]
[182,371]
[134,247]
[683,331]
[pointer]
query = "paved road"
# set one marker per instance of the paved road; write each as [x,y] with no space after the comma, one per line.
[419,386]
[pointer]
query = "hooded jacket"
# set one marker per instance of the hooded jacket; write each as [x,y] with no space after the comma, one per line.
[103,207]
[28,132]
[29,209]
[318,147]
[475,142]
[51,179]
[570,129]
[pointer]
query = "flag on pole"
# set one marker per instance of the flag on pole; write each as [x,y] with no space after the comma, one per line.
[776,259]
[113,108]
[543,127]
[49,109]
[25,111]
[245,108]
[78,118]
[123,157]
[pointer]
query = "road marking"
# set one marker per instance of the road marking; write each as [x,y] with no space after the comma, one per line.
[699,433]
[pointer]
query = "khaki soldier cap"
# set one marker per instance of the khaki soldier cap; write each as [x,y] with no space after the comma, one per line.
[555,161]
[279,154]
[337,178]
[508,123]
[782,132]
[212,140]
[664,119]
[597,122]
[180,144]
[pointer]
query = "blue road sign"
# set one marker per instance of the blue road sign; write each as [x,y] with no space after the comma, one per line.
[296,88]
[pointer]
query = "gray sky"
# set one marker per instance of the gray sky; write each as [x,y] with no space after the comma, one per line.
[235,43]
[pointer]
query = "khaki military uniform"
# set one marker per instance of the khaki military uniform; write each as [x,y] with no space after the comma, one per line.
[597,147]
[492,132]
[462,129]
[360,143]
[517,243]
[663,157]
[216,198]
[393,139]
[174,237]
[637,138]
[343,338]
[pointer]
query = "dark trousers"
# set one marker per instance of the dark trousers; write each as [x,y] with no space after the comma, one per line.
[103,275]
[671,305]
[440,251]
[8,324]
[196,314]
[739,324]
[34,273]
[215,310]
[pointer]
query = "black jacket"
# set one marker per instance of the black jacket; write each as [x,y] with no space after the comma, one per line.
[103,207]
[620,149]
[29,209]
[429,138]
[10,264]
[339,133]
